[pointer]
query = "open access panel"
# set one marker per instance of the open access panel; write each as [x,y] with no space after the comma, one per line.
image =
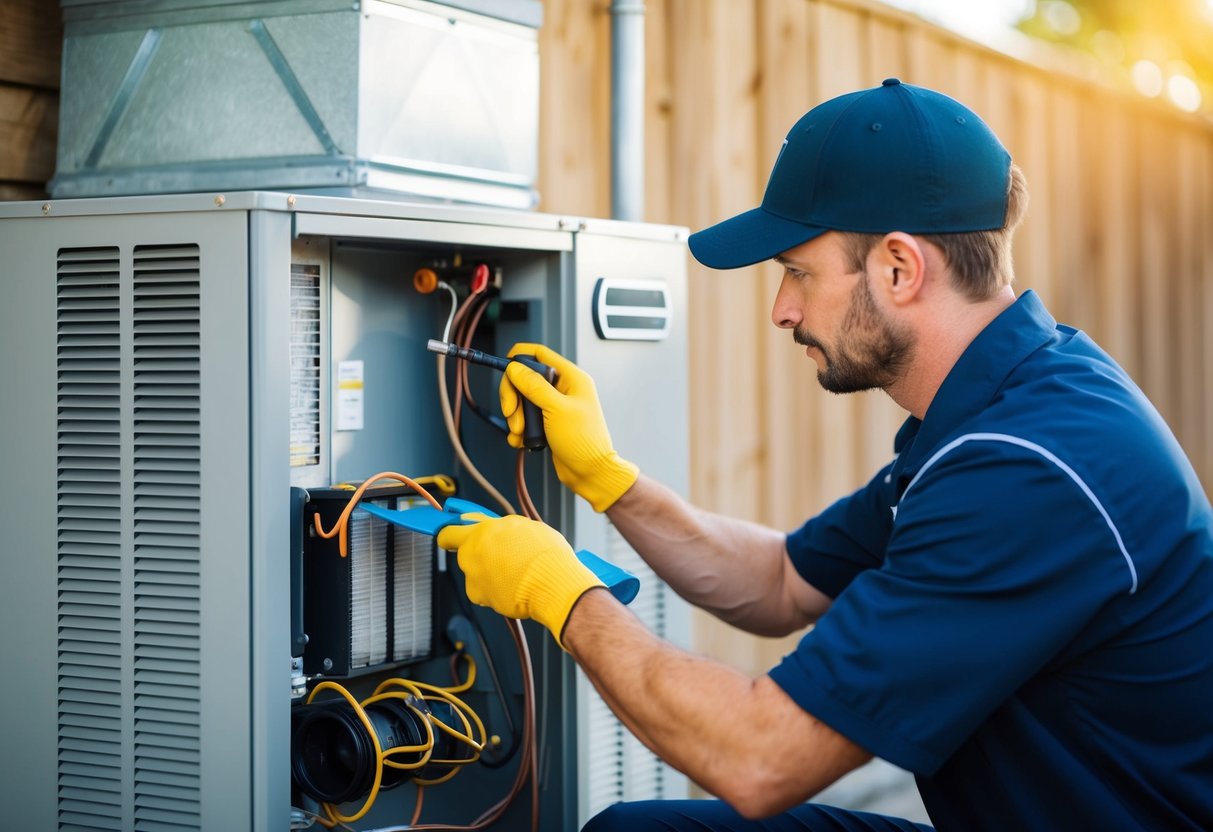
[195,386]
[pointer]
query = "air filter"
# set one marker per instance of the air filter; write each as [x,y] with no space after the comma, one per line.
[373,608]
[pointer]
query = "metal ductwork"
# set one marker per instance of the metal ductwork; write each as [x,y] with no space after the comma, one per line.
[431,101]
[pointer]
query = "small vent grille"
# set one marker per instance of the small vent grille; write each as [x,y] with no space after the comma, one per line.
[621,768]
[605,775]
[90,737]
[305,364]
[167,522]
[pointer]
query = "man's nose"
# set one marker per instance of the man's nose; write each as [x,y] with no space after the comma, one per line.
[785,314]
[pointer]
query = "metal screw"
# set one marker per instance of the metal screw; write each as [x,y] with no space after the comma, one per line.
[290,201]
[219,200]
[327,664]
[581,226]
[560,224]
[46,208]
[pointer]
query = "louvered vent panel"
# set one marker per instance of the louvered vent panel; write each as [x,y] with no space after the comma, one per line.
[90,757]
[644,774]
[621,768]
[166,505]
[605,774]
[305,364]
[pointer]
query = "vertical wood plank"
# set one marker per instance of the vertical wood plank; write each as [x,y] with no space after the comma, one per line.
[29,122]
[1155,270]
[1036,238]
[31,42]
[995,102]
[885,51]
[837,53]
[1066,197]
[659,114]
[713,78]
[1114,213]
[932,60]
[1204,179]
[574,109]
[1186,292]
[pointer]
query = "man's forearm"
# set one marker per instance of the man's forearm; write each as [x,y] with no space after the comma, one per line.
[737,570]
[743,740]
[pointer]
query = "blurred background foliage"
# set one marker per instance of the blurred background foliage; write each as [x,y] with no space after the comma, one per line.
[1161,48]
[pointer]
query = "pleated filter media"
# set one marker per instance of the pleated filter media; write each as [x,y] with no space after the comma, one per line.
[374,607]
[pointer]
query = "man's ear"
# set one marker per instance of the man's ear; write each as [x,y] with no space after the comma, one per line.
[899,264]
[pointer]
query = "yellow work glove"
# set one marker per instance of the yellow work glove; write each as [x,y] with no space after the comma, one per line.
[521,568]
[582,453]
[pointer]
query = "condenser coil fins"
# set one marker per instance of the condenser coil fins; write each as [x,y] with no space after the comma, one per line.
[373,608]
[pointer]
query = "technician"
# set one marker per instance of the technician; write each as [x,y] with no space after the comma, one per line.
[1018,608]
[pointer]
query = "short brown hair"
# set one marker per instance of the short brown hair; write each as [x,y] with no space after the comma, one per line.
[980,261]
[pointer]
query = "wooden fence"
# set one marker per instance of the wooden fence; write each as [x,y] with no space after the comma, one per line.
[30,42]
[1116,239]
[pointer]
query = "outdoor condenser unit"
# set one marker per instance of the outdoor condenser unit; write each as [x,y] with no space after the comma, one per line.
[178,370]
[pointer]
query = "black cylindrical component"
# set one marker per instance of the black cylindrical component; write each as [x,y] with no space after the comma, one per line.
[446,747]
[333,756]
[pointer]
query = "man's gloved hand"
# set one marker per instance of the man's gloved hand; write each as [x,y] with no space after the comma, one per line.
[582,453]
[521,568]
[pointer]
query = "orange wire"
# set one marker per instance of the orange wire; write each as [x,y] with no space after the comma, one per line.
[339,527]
[417,808]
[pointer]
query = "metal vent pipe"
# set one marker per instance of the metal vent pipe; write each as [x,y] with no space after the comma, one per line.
[627,110]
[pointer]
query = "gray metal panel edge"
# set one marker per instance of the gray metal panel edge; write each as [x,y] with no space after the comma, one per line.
[387,228]
[463,214]
[269,262]
[345,206]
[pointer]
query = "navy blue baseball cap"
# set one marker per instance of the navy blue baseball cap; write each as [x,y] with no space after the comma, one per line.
[893,158]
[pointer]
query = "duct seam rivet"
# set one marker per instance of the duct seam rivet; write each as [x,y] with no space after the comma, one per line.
[219,200]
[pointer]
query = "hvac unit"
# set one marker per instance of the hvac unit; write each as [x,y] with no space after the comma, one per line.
[194,386]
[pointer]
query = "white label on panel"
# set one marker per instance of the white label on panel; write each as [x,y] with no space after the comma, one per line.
[349,395]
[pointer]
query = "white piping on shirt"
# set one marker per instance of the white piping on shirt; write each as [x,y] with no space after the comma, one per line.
[1031,446]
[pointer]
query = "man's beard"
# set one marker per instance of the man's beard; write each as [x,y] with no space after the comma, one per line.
[870,353]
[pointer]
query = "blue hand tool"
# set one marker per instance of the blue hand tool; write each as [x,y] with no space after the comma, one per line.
[428,520]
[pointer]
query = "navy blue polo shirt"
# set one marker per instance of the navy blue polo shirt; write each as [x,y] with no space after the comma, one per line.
[1023,598]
